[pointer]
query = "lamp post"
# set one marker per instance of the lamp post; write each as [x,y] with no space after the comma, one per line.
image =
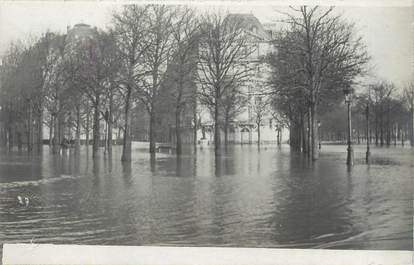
[319,134]
[348,99]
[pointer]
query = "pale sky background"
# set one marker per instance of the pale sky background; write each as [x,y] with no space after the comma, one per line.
[387,31]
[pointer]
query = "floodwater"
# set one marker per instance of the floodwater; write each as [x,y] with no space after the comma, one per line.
[252,198]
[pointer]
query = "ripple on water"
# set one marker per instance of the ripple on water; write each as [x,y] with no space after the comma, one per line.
[271,198]
[43,181]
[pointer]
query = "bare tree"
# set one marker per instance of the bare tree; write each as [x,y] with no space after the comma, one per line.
[10,100]
[181,77]
[381,94]
[36,68]
[56,84]
[324,53]
[130,30]
[233,103]
[93,66]
[155,61]
[260,107]
[223,54]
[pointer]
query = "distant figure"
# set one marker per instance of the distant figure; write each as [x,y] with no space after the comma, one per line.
[20,200]
[23,201]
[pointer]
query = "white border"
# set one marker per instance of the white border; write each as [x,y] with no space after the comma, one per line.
[361,3]
[47,254]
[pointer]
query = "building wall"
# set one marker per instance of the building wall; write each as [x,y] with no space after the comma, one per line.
[244,127]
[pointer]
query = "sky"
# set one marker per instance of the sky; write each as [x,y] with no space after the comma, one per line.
[388,31]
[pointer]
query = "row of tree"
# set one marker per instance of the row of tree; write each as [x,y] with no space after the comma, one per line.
[89,76]
[381,114]
[167,60]
[318,56]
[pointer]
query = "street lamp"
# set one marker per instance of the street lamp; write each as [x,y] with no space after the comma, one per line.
[319,134]
[348,91]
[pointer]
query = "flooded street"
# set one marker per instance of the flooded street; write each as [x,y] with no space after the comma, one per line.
[251,198]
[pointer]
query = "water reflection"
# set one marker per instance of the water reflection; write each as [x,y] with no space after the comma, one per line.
[244,197]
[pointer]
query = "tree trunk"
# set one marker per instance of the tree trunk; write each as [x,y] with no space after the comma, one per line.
[301,139]
[152,131]
[304,137]
[195,124]
[30,129]
[40,130]
[258,133]
[278,137]
[226,131]
[10,137]
[77,133]
[56,143]
[126,144]
[296,136]
[51,125]
[396,134]
[359,137]
[2,136]
[412,127]
[87,129]
[178,131]
[216,127]
[314,133]
[376,130]
[96,133]
[19,141]
[118,136]
[110,124]
[308,140]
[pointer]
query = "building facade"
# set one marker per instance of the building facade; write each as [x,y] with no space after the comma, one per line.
[257,116]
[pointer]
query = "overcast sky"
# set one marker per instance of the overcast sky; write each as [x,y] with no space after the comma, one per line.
[387,31]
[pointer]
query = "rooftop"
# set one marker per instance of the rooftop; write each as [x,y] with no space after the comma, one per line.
[249,22]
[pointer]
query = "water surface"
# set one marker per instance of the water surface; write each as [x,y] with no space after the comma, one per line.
[252,198]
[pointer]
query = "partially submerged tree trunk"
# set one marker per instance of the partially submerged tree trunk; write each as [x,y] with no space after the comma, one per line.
[314,133]
[30,128]
[126,144]
[226,131]
[87,129]
[195,124]
[152,132]
[56,136]
[178,130]
[40,130]
[278,136]
[216,127]
[309,131]
[51,125]
[77,133]
[10,137]
[19,141]
[110,125]
[96,127]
